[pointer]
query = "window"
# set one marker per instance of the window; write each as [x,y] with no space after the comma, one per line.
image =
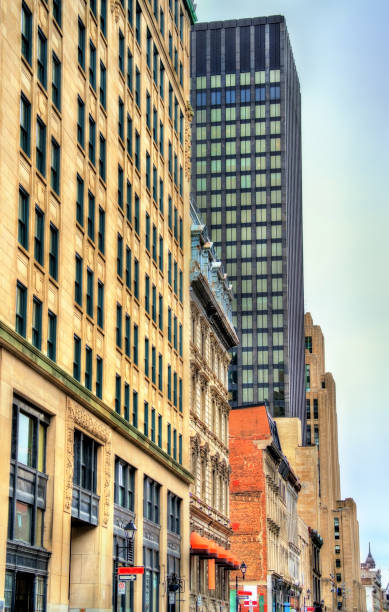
[41,146]
[25,124]
[153,365]
[91,216]
[21,309]
[77,358]
[85,462]
[23,217]
[146,419]
[120,187]
[135,345]
[89,292]
[26,33]
[128,267]
[92,65]
[308,408]
[78,281]
[137,86]
[81,123]
[315,408]
[129,135]
[151,490]
[169,439]
[160,312]
[308,343]
[135,408]
[103,85]
[99,377]
[39,238]
[130,70]
[118,325]
[81,44]
[307,377]
[124,490]
[52,336]
[147,357]
[27,505]
[88,367]
[173,513]
[160,372]
[136,278]
[121,52]
[138,23]
[37,323]
[102,156]
[100,304]
[154,304]
[118,393]
[121,119]
[137,151]
[92,140]
[160,430]
[55,165]
[154,245]
[101,231]
[127,336]
[103,16]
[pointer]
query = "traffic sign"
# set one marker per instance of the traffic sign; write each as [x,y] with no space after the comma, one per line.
[128,577]
[125,571]
[121,588]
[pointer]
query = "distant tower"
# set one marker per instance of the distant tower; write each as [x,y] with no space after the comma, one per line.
[369,563]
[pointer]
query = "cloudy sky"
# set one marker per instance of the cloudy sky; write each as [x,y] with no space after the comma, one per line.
[341,49]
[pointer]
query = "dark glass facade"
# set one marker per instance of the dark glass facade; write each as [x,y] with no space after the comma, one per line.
[246,179]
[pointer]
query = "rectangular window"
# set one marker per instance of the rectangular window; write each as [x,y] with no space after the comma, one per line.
[37,323]
[160,260]
[127,336]
[91,216]
[53,252]
[55,165]
[147,232]
[175,389]
[52,336]
[118,393]
[77,358]
[88,367]
[100,304]
[103,85]
[124,489]
[169,439]
[153,425]
[138,24]
[121,119]
[316,408]
[25,125]
[147,357]
[81,122]
[26,30]
[175,444]
[103,16]
[135,345]
[92,140]
[78,281]
[21,309]
[99,377]
[180,340]
[41,56]
[151,500]
[160,431]
[89,292]
[130,70]
[23,217]
[180,395]
[121,52]
[136,278]
[146,419]
[160,372]
[129,202]
[169,382]
[160,312]
[153,365]
[129,135]
[135,408]
[41,146]
[154,303]
[180,449]
[137,150]
[128,267]
[39,238]
[137,86]
[85,462]
[118,325]
[120,187]
[127,401]
[102,157]
[169,324]
[81,44]
[101,232]
[92,65]
[154,249]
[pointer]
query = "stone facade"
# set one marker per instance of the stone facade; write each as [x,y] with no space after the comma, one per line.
[212,334]
[95,245]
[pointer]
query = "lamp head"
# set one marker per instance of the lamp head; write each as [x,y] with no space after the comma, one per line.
[130,530]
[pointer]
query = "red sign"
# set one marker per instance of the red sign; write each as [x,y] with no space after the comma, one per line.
[125,571]
[244,593]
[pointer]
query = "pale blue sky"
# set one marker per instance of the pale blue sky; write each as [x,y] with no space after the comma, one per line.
[341,49]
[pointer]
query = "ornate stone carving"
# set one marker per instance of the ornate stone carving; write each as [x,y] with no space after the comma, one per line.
[188,138]
[204,451]
[195,442]
[76,415]
[115,9]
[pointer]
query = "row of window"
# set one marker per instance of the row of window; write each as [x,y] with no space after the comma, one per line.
[240,181]
[246,129]
[315,408]
[37,321]
[308,436]
[242,78]
[247,94]
[88,372]
[41,144]
[233,164]
[246,199]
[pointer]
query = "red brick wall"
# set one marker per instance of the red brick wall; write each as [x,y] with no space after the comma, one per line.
[249,429]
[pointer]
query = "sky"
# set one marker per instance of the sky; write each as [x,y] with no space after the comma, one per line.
[341,50]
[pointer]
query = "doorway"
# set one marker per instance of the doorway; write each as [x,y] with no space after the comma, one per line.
[24,592]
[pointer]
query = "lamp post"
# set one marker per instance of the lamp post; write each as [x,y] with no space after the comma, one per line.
[307,597]
[129,531]
[243,568]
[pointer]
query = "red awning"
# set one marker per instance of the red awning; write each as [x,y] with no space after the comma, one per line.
[198,544]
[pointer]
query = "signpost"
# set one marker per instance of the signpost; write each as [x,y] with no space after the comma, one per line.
[121,588]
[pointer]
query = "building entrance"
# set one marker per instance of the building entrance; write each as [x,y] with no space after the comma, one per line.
[24,592]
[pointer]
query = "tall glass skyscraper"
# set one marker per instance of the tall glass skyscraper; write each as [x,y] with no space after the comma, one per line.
[246,178]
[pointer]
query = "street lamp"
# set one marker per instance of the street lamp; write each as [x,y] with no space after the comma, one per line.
[307,596]
[129,532]
[243,568]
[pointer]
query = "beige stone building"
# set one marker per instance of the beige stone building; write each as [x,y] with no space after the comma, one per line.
[212,336]
[338,525]
[94,303]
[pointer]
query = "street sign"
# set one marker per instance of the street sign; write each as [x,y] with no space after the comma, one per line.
[125,571]
[128,577]
[121,588]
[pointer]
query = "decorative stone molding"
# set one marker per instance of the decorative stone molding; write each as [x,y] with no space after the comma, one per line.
[115,9]
[204,452]
[76,415]
[195,443]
